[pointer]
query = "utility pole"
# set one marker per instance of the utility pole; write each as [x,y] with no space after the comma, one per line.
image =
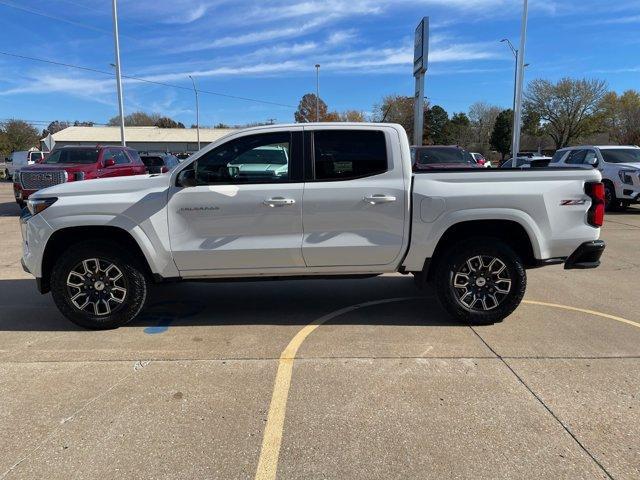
[517,112]
[195,90]
[317,92]
[123,140]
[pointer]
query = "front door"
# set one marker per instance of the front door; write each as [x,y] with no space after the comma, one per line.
[241,208]
[355,200]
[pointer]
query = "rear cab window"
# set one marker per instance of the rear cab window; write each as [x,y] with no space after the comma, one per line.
[557,157]
[349,154]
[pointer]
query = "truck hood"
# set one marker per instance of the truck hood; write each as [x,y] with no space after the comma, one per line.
[101,186]
[68,167]
[628,166]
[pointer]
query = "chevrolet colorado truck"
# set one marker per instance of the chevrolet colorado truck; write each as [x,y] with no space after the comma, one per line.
[308,201]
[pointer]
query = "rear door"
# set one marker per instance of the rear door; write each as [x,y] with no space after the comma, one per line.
[243,212]
[355,198]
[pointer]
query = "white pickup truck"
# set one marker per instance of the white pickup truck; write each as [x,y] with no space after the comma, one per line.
[308,201]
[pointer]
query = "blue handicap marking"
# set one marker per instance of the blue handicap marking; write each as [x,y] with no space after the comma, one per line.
[163,314]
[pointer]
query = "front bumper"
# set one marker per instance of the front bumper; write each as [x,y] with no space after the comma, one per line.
[21,195]
[587,255]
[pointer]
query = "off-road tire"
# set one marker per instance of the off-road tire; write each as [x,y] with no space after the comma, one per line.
[611,202]
[133,276]
[453,261]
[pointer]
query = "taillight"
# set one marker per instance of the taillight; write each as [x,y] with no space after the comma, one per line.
[595,215]
[164,169]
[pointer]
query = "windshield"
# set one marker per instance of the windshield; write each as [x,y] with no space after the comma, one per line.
[152,161]
[269,155]
[442,155]
[621,155]
[75,155]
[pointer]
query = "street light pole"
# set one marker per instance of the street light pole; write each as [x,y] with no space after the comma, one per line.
[515,81]
[118,73]
[195,90]
[317,92]
[517,113]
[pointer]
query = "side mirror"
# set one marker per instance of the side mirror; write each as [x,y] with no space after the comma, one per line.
[593,162]
[110,162]
[187,178]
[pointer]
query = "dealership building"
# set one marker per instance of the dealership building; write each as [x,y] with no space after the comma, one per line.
[150,139]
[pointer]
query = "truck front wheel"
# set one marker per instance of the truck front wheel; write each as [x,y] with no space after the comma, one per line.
[480,281]
[98,286]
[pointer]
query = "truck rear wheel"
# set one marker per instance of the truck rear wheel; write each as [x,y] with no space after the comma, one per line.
[480,281]
[97,286]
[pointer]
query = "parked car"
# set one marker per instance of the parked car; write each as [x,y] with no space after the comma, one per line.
[619,165]
[433,157]
[480,160]
[18,160]
[527,162]
[363,210]
[162,163]
[71,163]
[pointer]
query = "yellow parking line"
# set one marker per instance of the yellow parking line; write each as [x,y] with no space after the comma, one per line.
[268,462]
[270,451]
[583,310]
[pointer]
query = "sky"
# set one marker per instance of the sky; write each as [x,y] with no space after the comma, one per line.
[267,49]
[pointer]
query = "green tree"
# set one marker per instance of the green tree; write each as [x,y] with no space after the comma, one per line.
[621,117]
[17,135]
[306,111]
[569,109]
[501,135]
[459,129]
[437,125]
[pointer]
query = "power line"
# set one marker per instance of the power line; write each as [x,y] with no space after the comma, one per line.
[53,17]
[130,77]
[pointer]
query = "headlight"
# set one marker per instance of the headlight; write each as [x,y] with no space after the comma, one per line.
[625,176]
[37,205]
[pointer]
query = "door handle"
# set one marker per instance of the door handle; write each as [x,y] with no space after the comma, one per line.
[278,202]
[379,198]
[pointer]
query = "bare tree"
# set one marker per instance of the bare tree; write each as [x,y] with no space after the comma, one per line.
[569,109]
[137,119]
[483,118]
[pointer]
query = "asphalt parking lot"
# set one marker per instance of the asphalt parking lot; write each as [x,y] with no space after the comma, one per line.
[383,385]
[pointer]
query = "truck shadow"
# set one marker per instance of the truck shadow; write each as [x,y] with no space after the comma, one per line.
[9,209]
[242,303]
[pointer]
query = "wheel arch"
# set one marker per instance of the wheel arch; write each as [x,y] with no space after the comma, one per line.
[65,238]
[509,231]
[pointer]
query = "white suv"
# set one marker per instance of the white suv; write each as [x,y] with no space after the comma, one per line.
[620,167]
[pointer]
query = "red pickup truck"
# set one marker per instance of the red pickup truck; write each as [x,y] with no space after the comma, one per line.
[71,163]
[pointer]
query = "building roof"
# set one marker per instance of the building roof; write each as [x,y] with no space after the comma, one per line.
[139,134]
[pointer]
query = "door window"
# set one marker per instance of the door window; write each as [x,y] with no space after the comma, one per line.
[118,155]
[264,158]
[345,155]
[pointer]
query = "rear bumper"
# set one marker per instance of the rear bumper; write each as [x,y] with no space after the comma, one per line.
[587,255]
